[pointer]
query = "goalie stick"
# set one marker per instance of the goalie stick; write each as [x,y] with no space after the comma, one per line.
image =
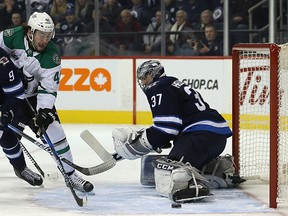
[92,170]
[88,137]
[98,148]
[51,150]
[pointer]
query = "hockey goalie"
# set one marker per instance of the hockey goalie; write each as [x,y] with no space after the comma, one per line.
[184,122]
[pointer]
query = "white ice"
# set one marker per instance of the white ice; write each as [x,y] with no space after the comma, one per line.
[117,191]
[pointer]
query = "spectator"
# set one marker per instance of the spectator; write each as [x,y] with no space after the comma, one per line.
[194,9]
[16,19]
[40,5]
[152,6]
[111,12]
[141,12]
[152,42]
[124,44]
[2,4]
[6,14]
[216,6]
[239,19]
[177,42]
[70,44]
[104,40]
[84,10]
[206,18]
[211,45]
[125,3]
[58,10]
[22,5]
[170,9]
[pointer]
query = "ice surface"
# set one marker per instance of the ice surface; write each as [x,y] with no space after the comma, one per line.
[117,191]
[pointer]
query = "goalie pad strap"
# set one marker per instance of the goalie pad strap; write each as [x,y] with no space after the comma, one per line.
[172,177]
[220,172]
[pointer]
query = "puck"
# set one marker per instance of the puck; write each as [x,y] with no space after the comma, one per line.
[176,205]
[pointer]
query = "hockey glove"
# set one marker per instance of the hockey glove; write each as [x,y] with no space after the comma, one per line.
[6,117]
[131,144]
[42,121]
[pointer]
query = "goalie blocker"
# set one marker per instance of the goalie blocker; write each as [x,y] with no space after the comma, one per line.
[220,172]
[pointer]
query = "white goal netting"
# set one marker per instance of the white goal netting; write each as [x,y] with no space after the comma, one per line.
[254,93]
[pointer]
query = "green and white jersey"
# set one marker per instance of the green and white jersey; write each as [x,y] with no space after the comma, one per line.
[42,69]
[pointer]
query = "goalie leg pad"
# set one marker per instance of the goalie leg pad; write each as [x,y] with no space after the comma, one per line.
[147,177]
[220,173]
[178,181]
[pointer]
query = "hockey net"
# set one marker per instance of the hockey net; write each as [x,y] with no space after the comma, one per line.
[260,116]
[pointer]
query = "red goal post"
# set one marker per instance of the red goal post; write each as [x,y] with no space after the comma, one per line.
[260,115]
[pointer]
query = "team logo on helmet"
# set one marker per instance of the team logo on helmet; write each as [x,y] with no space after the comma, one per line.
[47,21]
[8,32]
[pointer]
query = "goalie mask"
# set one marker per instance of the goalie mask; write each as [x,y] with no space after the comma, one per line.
[42,22]
[147,72]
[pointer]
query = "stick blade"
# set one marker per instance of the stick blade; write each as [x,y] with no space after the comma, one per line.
[96,145]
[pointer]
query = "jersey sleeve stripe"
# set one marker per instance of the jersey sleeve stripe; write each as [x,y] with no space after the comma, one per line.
[166,130]
[14,91]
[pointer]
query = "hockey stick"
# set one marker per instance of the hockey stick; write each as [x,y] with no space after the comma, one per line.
[92,170]
[52,176]
[32,160]
[98,148]
[80,201]
[52,152]
[85,170]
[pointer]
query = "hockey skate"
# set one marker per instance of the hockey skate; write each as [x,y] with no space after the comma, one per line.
[29,176]
[78,183]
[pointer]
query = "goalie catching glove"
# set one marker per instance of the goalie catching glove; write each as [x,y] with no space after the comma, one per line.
[42,120]
[131,144]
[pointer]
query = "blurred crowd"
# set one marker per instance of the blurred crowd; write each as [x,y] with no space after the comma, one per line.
[133,27]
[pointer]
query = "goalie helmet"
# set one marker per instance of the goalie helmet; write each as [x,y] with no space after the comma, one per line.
[152,68]
[40,21]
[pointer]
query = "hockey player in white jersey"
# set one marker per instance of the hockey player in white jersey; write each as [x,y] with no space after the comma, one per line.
[197,132]
[31,50]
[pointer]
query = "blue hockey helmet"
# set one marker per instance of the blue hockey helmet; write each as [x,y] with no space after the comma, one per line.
[152,68]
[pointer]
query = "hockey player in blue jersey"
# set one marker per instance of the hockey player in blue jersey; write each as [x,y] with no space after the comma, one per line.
[12,103]
[197,132]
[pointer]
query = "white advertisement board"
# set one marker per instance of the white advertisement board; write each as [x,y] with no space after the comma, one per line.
[210,77]
[110,84]
[96,84]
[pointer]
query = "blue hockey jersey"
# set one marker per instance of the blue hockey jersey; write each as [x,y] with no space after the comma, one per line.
[177,109]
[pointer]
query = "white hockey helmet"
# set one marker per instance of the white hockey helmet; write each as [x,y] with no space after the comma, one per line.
[41,21]
[151,67]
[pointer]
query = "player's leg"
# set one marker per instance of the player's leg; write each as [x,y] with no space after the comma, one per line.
[198,148]
[56,134]
[13,151]
[202,149]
